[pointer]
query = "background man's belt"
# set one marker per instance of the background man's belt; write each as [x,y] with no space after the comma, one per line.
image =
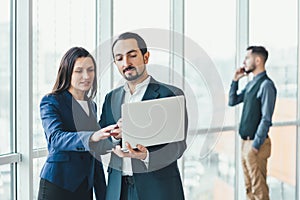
[249,138]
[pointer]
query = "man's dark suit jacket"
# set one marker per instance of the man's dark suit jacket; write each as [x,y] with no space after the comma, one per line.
[161,180]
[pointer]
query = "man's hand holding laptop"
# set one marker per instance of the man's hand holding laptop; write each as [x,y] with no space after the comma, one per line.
[139,153]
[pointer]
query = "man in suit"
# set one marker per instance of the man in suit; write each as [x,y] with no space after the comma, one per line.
[144,173]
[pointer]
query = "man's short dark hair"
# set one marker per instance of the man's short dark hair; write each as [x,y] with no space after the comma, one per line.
[259,50]
[129,35]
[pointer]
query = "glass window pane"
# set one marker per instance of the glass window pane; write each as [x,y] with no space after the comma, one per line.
[5,78]
[38,163]
[6,182]
[282,163]
[138,14]
[280,38]
[204,178]
[70,23]
[216,37]
[217,169]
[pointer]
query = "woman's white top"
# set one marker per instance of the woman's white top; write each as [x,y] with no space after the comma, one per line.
[85,106]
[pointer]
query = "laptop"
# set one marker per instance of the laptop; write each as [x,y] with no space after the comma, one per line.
[153,122]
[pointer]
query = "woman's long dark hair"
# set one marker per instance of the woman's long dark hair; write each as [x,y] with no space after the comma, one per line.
[63,79]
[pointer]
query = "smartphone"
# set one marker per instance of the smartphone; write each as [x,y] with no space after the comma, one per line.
[113,133]
[244,70]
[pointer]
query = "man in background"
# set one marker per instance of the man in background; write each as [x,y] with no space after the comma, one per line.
[259,97]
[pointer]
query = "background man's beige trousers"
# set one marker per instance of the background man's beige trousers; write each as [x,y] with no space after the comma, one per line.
[255,169]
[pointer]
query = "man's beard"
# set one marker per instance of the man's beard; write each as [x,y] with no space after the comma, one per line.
[132,77]
[253,67]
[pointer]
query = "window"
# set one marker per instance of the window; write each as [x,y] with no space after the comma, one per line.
[6,99]
[6,79]
[278,33]
[6,182]
[205,177]
[280,38]
[214,159]
[134,15]
[71,23]
[38,163]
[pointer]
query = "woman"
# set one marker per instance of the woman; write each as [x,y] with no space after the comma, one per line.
[69,120]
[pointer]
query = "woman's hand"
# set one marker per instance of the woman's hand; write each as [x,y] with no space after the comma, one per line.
[117,131]
[102,133]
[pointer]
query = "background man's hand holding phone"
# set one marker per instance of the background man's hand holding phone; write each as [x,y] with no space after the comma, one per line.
[239,73]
